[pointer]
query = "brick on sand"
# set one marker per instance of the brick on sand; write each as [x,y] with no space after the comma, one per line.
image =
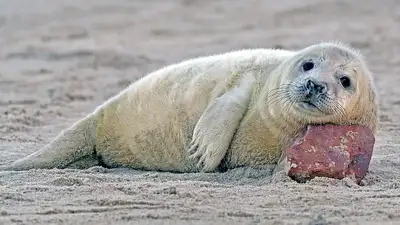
[330,151]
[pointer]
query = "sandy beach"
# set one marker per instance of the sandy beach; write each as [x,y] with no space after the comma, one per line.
[60,59]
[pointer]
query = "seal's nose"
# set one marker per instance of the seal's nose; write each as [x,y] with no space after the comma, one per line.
[316,88]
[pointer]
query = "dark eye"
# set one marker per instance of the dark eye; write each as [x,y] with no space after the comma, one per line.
[345,81]
[308,66]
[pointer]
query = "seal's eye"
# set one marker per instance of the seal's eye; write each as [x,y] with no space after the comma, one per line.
[308,66]
[345,81]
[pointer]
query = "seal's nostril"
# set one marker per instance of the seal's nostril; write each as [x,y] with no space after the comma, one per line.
[324,88]
[309,84]
[313,87]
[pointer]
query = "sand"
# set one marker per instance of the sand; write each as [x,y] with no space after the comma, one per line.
[59,59]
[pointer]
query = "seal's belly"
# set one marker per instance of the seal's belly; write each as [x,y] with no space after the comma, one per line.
[149,131]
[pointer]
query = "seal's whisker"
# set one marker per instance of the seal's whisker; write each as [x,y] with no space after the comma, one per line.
[283,98]
[277,92]
[337,105]
[338,97]
[278,95]
[282,87]
[282,92]
[341,109]
[288,103]
[333,107]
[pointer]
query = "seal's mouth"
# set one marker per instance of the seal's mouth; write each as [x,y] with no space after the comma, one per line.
[311,107]
[308,104]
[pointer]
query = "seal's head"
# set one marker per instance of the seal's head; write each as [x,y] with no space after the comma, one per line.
[327,83]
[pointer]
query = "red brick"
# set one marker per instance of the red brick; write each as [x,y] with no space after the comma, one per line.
[331,151]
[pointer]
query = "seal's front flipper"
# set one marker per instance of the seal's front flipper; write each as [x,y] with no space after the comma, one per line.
[70,146]
[214,131]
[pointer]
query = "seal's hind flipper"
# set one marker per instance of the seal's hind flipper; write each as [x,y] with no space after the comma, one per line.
[70,146]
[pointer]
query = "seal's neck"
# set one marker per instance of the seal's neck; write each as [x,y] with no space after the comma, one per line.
[272,107]
[264,129]
[263,140]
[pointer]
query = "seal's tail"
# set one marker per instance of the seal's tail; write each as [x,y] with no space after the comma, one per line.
[71,145]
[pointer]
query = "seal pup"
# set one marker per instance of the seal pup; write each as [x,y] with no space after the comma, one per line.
[228,110]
